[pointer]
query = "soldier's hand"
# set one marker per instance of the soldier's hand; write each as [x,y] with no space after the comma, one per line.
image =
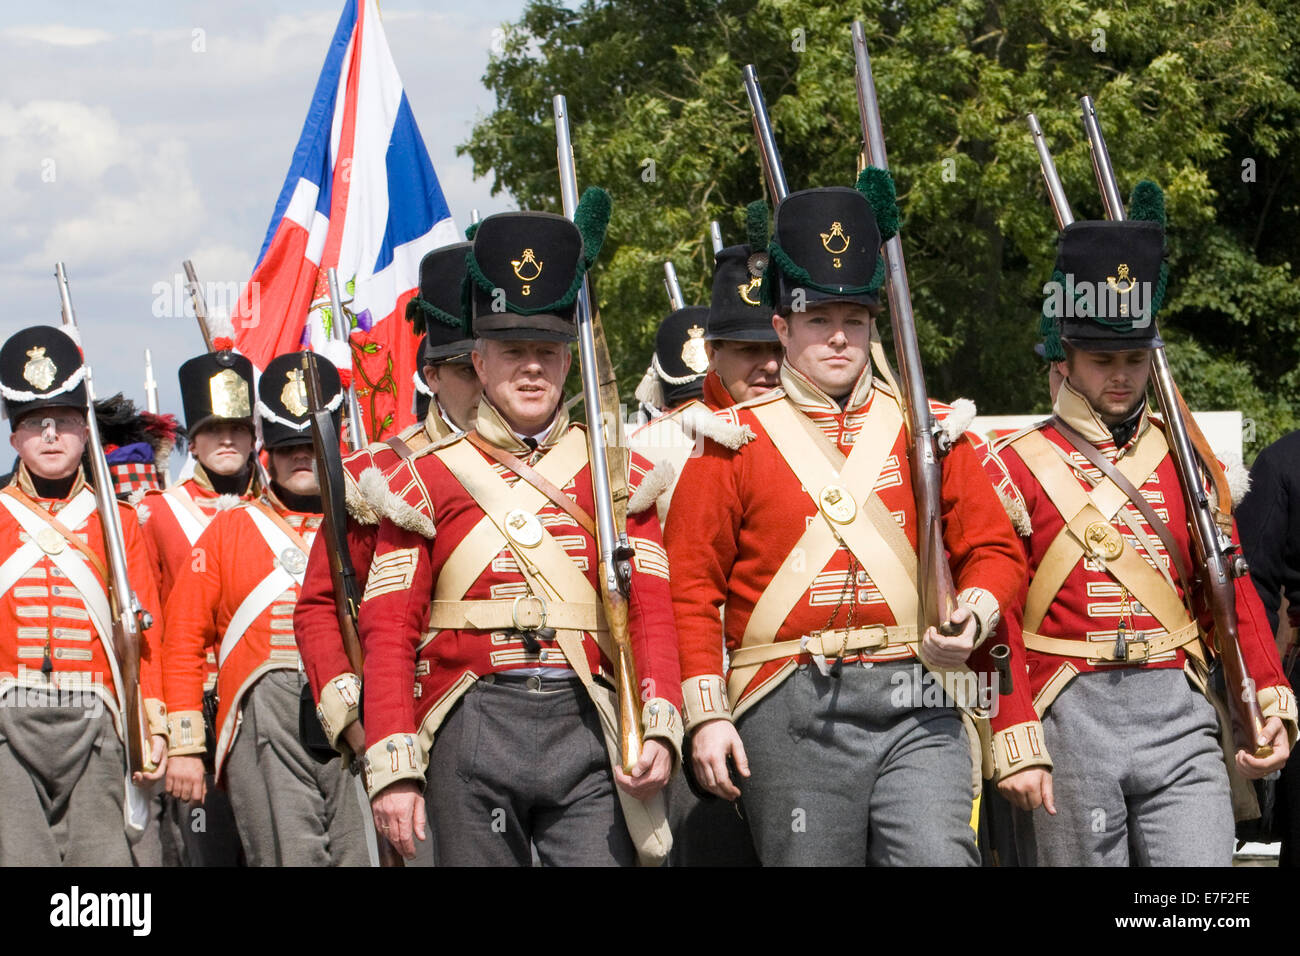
[1252,767]
[940,650]
[399,816]
[1029,789]
[158,757]
[650,774]
[711,745]
[185,778]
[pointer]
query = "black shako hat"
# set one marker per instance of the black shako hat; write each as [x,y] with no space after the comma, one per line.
[679,361]
[827,243]
[1109,281]
[736,310]
[526,270]
[282,399]
[216,387]
[41,367]
[437,312]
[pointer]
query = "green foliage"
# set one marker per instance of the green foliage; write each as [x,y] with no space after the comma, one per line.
[1202,97]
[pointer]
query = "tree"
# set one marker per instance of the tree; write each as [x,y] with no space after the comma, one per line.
[1202,97]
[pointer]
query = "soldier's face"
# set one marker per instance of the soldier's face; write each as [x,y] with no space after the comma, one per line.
[458,389]
[523,380]
[49,441]
[293,469]
[828,343]
[1112,382]
[222,448]
[746,369]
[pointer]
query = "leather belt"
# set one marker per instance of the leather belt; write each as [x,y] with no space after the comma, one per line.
[1136,651]
[524,613]
[829,643]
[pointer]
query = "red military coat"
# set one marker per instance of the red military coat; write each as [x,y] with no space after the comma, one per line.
[54,601]
[214,595]
[414,673]
[173,520]
[1093,599]
[739,515]
[334,684]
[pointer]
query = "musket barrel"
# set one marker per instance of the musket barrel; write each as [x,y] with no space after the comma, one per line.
[1101,165]
[675,297]
[200,306]
[938,601]
[1055,191]
[769,155]
[715,236]
[610,541]
[586,347]
[150,384]
[125,606]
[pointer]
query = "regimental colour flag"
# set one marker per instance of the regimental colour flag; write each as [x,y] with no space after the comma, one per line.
[361,196]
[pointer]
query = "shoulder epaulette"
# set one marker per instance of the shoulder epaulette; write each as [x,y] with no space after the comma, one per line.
[1006,440]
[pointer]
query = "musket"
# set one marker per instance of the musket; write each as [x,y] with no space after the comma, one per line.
[1055,191]
[715,236]
[129,618]
[609,463]
[927,442]
[768,155]
[1218,559]
[151,404]
[343,577]
[339,332]
[675,298]
[200,306]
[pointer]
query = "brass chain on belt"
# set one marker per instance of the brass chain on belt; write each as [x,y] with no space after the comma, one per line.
[851,585]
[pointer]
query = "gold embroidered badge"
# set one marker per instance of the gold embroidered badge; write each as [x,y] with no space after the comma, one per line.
[746,288]
[294,394]
[229,394]
[837,232]
[522,264]
[39,370]
[693,353]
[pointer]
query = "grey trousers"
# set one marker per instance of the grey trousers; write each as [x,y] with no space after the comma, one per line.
[207,832]
[1138,776]
[513,769]
[161,845]
[847,771]
[706,832]
[62,787]
[289,809]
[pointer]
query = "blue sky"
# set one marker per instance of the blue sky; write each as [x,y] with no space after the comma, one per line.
[134,135]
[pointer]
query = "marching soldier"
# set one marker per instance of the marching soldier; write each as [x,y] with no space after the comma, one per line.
[64,798]
[454,393]
[1117,655]
[743,349]
[841,752]
[1269,521]
[237,595]
[217,396]
[496,621]
[677,365]
[741,353]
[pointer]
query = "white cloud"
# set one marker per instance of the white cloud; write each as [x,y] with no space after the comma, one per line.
[57,34]
[115,194]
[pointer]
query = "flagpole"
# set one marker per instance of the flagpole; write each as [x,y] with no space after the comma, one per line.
[338,330]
